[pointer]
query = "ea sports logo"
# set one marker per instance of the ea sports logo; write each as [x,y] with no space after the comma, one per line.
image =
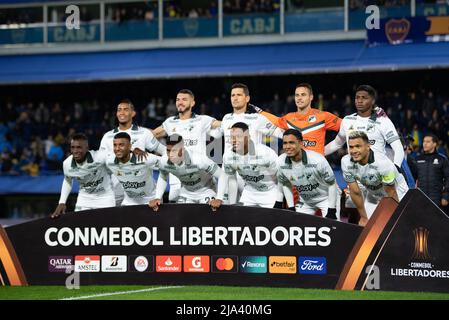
[224,264]
[141,263]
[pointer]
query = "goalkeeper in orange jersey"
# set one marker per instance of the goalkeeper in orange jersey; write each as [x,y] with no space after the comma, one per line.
[311,122]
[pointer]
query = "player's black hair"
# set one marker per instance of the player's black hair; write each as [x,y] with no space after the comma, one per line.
[122,135]
[174,139]
[293,132]
[241,86]
[371,91]
[358,135]
[240,125]
[79,136]
[433,136]
[187,91]
[128,102]
[305,85]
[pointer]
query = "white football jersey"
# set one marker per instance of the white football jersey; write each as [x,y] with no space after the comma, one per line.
[195,173]
[378,172]
[380,130]
[258,169]
[94,181]
[193,131]
[258,125]
[141,138]
[135,177]
[311,176]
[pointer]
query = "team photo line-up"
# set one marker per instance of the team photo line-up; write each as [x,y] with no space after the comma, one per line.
[247,172]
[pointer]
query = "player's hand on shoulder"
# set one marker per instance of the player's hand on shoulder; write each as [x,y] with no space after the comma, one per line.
[60,209]
[255,108]
[141,155]
[380,112]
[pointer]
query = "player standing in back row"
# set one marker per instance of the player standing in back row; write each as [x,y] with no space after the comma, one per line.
[193,129]
[311,122]
[141,139]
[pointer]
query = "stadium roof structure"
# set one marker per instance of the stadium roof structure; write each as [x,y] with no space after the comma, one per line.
[268,59]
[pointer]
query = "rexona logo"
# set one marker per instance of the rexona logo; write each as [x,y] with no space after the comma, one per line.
[196,263]
[280,264]
[141,263]
[60,263]
[253,264]
[168,263]
[312,265]
[87,263]
[114,263]
[224,264]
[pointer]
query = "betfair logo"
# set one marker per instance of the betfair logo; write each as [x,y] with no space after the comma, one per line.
[280,264]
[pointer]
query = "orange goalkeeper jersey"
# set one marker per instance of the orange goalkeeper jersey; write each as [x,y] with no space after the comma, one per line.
[312,125]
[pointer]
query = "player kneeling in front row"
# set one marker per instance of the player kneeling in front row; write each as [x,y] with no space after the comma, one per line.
[308,172]
[195,171]
[89,169]
[374,171]
[255,163]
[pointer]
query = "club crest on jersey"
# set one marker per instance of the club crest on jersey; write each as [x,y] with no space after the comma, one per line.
[312,118]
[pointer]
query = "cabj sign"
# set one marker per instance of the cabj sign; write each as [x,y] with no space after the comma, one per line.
[259,24]
[86,33]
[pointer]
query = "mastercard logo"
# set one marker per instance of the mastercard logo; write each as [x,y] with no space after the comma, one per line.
[224,264]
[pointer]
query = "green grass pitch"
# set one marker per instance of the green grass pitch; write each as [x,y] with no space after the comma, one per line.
[203,293]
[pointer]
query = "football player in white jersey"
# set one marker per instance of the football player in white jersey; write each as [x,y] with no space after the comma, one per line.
[310,173]
[142,140]
[378,127]
[92,175]
[192,127]
[255,163]
[374,171]
[136,177]
[258,125]
[195,171]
